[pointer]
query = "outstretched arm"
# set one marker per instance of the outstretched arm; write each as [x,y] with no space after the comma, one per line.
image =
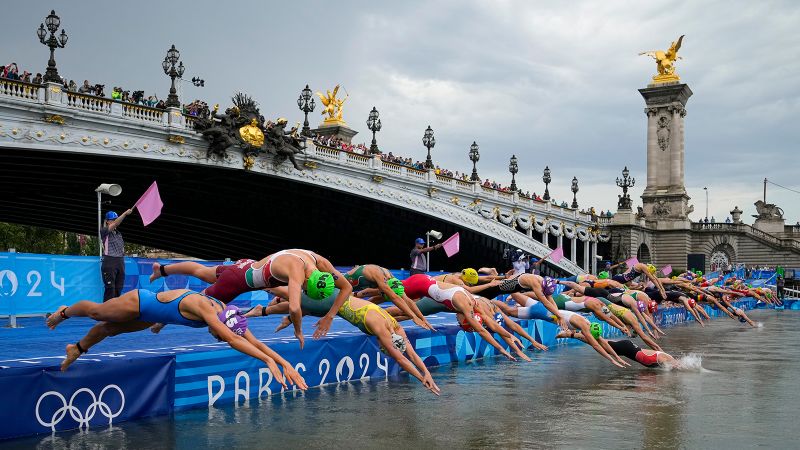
[345,290]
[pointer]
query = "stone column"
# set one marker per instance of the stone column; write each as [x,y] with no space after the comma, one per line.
[560,241]
[544,237]
[574,249]
[594,257]
[675,149]
[683,150]
[652,145]
[586,255]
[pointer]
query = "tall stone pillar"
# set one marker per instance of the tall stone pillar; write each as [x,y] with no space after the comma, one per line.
[594,257]
[664,199]
[586,255]
[573,249]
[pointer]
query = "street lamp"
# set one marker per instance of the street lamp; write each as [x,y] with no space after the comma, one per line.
[625,183]
[173,71]
[53,22]
[474,156]
[109,189]
[513,168]
[429,141]
[706,189]
[374,125]
[574,192]
[546,178]
[306,104]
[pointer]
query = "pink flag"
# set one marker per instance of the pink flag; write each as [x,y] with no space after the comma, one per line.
[631,262]
[666,270]
[452,245]
[149,205]
[556,255]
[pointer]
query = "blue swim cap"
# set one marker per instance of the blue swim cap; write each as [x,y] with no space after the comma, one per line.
[111,215]
[420,241]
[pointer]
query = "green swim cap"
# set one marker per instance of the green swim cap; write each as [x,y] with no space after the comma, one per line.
[396,286]
[320,285]
[602,275]
[596,330]
[699,273]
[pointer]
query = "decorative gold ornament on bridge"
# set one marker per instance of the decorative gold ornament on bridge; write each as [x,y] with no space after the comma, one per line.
[54,118]
[665,63]
[333,107]
[248,162]
[175,139]
[251,134]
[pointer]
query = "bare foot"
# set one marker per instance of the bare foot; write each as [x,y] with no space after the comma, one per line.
[156,327]
[72,354]
[285,322]
[255,311]
[54,319]
[156,272]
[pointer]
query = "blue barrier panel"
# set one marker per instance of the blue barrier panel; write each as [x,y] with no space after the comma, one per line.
[42,401]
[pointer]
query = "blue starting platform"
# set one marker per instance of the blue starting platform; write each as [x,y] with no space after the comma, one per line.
[143,374]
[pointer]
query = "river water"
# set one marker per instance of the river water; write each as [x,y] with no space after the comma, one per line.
[744,395]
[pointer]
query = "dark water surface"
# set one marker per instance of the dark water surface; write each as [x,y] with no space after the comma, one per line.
[745,395]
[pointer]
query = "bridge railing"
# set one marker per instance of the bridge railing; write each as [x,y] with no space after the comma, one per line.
[747,229]
[21,90]
[55,96]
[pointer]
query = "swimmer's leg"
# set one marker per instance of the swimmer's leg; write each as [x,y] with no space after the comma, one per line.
[197,270]
[96,335]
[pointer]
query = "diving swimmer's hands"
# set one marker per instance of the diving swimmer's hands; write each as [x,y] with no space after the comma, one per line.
[508,355]
[294,377]
[424,323]
[427,381]
[541,347]
[276,372]
[322,326]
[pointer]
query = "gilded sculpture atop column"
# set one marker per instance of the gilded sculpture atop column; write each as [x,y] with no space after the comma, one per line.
[665,62]
[333,106]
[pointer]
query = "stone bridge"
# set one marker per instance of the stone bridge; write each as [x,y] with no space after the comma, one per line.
[57,146]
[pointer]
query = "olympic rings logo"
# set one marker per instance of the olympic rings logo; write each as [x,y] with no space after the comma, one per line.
[82,417]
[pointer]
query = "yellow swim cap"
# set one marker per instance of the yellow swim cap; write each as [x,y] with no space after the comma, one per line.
[469,276]
[651,268]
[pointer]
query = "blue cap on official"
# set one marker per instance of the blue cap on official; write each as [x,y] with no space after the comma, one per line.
[420,241]
[111,215]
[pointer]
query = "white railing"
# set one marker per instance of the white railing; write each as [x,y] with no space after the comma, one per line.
[143,113]
[88,102]
[19,89]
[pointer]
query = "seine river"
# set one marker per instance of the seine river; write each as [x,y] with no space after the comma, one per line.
[742,393]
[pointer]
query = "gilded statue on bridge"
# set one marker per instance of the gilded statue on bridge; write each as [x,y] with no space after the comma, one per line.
[333,106]
[665,62]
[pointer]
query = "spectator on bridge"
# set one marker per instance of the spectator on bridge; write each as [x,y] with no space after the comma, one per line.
[86,88]
[727,220]
[418,262]
[113,265]
[73,86]
[712,220]
[37,79]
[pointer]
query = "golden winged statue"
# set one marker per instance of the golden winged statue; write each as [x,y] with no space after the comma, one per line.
[333,106]
[665,62]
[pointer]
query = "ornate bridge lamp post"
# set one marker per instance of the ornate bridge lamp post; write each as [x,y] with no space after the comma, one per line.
[546,178]
[625,183]
[306,104]
[513,168]
[52,21]
[574,193]
[173,70]
[374,125]
[474,156]
[429,141]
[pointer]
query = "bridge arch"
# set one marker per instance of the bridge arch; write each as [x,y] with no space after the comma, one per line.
[643,253]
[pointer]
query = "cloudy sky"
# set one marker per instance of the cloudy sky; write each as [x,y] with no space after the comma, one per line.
[553,82]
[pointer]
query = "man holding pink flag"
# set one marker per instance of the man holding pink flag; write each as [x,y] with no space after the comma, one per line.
[113,262]
[112,266]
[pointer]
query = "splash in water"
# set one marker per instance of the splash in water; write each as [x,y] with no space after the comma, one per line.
[688,363]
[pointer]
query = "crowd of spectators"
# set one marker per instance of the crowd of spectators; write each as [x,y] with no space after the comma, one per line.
[338,144]
[11,72]
[197,108]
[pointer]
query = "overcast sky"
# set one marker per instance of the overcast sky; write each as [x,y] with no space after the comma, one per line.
[553,82]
